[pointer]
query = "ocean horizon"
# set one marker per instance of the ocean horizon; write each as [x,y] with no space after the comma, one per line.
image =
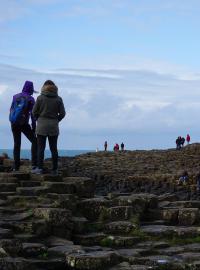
[26,153]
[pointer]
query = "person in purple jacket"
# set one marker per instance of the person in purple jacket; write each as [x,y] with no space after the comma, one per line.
[24,127]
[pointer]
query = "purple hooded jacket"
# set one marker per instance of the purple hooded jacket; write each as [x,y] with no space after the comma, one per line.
[27,91]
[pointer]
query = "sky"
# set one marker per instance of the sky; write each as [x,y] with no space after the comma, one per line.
[127,70]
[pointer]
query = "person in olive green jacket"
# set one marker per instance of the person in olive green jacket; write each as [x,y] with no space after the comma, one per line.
[48,111]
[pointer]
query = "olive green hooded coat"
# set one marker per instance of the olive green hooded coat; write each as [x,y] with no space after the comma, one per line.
[48,111]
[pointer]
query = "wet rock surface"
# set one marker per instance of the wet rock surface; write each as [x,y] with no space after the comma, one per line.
[117,211]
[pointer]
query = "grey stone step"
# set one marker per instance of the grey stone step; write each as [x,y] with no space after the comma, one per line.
[2,203]
[120,227]
[128,266]
[116,241]
[92,208]
[20,227]
[12,246]
[32,191]
[92,260]
[63,250]
[155,222]
[79,224]
[54,241]
[46,263]
[159,262]
[84,186]
[8,187]
[67,201]
[60,187]
[30,183]
[117,213]
[46,177]
[4,195]
[19,199]
[13,263]
[58,220]
[185,204]
[26,237]
[5,233]
[18,175]
[33,249]
[9,180]
[90,239]
[160,231]
[182,216]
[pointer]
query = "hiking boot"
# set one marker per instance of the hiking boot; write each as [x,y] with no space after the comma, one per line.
[15,170]
[37,171]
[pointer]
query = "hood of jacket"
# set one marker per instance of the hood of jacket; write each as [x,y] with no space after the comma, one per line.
[28,88]
[49,90]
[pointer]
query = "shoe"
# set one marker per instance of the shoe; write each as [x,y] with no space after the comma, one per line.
[37,171]
[15,170]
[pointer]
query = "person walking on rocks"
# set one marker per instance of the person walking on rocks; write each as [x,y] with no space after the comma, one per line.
[20,113]
[182,141]
[184,178]
[178,143]
[116,147]
[48,110]
[188,138]
[122,146]
[105,146]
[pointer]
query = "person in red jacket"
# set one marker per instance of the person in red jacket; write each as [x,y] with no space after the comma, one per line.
[116,147]
[188,138]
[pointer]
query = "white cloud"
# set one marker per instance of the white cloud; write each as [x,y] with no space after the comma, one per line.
[83,73]
[3,89]
[11,10]
[133,102]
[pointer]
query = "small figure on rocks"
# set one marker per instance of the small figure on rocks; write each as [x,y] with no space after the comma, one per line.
[188,138]
[182,141]
[105,146]
[122,146]
[184,178]
[48,111]
[178,143]
[116,147]
[20,112]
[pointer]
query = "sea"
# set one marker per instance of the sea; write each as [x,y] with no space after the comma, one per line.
[26,153]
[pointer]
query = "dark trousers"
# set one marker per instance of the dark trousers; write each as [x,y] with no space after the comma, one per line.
[41,141]
[17,131]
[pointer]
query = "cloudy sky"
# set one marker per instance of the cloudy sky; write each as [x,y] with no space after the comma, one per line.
[127,70]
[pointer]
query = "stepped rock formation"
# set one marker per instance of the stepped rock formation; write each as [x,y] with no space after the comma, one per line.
[117,211]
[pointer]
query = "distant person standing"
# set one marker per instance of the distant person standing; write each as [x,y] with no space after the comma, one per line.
[178,143]
[20,113]
[105,146]
[182,141]
[188,138]
[49,111]
[116,147]
[122,146]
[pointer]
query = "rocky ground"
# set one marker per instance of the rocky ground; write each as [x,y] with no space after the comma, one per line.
[117,211]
